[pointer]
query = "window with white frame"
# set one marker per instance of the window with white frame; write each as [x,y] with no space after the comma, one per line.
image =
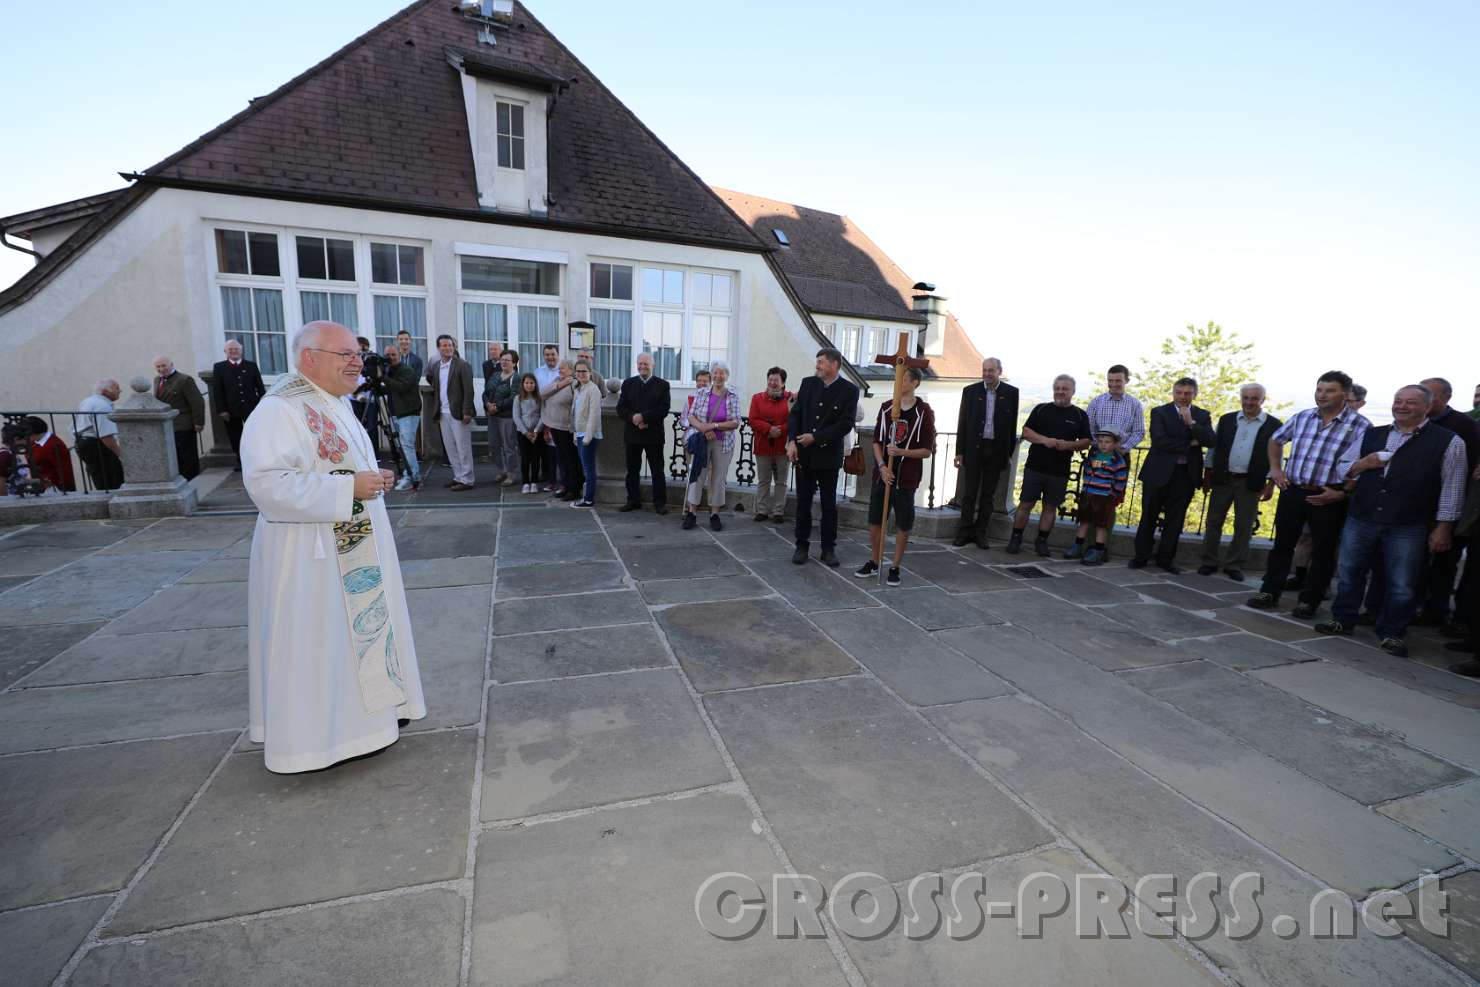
[398,293]
[327,288]
[663,320]
[849,343]
[710,337]
[611,313]
[510,135]
[514,301]
[249,279]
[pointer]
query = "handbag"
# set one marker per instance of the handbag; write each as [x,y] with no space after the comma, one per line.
[853,462]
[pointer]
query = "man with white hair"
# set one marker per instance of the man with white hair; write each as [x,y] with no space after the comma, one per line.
[97,437]
[1238,476]
[330,657]
[642,405]
[1055,431]
[181,392]
[236,387]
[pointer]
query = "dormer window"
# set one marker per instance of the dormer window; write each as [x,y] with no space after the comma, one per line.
[511,135]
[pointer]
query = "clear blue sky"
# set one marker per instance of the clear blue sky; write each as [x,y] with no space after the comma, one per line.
[1080,181]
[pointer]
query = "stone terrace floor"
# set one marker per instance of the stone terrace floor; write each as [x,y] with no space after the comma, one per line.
[620,709]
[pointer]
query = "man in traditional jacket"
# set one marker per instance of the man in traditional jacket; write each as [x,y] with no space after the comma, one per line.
[820,419]
[331,661]
[236,387]
[181,392]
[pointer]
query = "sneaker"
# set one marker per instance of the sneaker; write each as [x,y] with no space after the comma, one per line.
[869,568]
[1262,601]
[1093,557]
[1333,627]
[1040,545]
[829,559]
[715,524]
[1303,611]
[1206,570]
[404,483]
[580,503]
[1015,543]
[507,481]
[1075,551]
[1394,646]
[689,520]
[893,578]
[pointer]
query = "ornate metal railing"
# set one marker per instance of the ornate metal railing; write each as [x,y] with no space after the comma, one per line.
[92,469]
[742,466]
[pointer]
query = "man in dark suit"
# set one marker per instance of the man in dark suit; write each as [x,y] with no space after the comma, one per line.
[986,433]
[1237,476]
[181,392]
[236,387]
[825,411]
[643,405]
[1171,473]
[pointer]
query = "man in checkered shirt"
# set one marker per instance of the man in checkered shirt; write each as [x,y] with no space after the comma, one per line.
[1324,442]
[1118,412]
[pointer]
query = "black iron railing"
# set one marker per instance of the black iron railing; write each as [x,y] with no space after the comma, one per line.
[91,464]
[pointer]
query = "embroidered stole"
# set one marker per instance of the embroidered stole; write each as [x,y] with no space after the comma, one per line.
[372,639]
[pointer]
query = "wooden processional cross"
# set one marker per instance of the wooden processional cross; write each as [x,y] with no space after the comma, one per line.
[900,359]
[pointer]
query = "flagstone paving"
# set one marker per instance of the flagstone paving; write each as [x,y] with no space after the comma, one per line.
[620,709]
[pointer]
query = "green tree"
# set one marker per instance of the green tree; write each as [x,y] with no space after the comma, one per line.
[1218,360]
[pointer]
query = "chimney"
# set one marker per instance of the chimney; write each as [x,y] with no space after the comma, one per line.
[933,307]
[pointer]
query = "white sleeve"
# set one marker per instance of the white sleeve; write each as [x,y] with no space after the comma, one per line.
[279,476]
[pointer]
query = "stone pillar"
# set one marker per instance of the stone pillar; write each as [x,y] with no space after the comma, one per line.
[864,435]
[152,484]
[1004,501]
[219,454]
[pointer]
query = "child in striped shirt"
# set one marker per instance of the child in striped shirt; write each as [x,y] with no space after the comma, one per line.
[1105,475]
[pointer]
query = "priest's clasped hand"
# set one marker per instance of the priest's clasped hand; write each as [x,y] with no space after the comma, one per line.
[372,483]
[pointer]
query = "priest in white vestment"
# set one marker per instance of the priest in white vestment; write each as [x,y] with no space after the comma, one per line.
[331,660]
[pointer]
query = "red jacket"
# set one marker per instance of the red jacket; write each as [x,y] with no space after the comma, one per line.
[53,461]
[765,412]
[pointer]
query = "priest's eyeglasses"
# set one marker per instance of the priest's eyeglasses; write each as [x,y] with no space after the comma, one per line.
[345,356]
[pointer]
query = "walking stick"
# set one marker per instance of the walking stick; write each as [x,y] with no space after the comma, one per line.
[900,359]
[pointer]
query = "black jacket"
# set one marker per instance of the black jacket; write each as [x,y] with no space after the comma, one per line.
[829,413]
[649,400]
[236,390]
[973,418]
[1258,459]
[1407,492]
[403,387]
[1171,439]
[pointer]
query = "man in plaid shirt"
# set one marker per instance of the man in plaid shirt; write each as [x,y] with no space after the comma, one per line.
[1118,412]
[1324,442]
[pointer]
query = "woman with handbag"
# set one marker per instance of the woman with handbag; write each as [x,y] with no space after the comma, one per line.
[715,415]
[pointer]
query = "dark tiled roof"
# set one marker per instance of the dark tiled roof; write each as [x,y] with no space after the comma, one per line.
[383,119]
[836,269]
[23,223]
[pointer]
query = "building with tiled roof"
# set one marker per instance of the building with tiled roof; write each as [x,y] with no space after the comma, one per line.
[455,169]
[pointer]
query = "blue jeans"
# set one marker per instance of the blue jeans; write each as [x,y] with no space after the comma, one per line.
[588,467]
[1403,548]
[406,432]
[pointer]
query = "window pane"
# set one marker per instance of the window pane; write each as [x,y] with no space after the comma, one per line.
[516,145]
[652,286]
[231,251]
[267,305]
[341,260]
[538,325]
[315,305]
[662,336]
[516,120]
[413,267]
[387,315]
[672,287]
[236,310]
[263,254]
[523,277]
[601,280]
[613,341]
[721,291]
[272,341]
[505,153]
[703,288]
[343,309]
[621,282]
[414,317]
[383,263]
[503,118]
[272,354]
[311,258]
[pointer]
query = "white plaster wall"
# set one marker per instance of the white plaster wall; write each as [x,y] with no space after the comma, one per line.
[147,287]
[44,241]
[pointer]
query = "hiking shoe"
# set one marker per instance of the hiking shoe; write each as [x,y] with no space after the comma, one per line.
[1040,545]
[893,578]
[1075,551]
[1394,646]
[689,520]
[1333,627]
[1015,543]
[869,568]
[1262,601]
